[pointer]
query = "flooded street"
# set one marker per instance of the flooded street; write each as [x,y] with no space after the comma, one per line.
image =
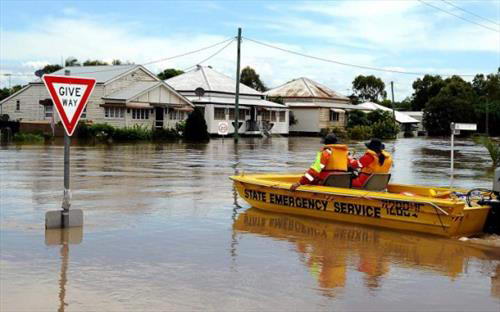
[164,230]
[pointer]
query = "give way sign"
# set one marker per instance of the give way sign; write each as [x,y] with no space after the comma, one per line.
[69,95]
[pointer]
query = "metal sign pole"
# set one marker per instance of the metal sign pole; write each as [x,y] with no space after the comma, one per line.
[237,95]
[67,192]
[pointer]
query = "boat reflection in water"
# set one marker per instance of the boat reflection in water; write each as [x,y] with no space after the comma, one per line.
[332,251]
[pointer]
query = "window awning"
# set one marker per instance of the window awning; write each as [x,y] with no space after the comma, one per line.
[337,110]
[183,109]
[138,105]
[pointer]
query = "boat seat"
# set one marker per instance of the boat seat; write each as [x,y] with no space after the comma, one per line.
[339,179]
[377,182]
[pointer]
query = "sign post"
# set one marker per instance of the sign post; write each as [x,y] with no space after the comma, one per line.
[223,129]
[69,95]
[455,129]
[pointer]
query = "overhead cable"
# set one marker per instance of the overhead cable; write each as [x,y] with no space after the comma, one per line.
[348,64]
[211,56]
[458,16]
[471,13]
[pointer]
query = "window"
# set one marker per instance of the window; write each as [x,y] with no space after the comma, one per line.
[176,114]
[114,112]
[84,113]
[282,116]
[334,116]
[48,111]
[273,115]
[140,113]
[219,113]
[18,105]
[266,115]
[241,113]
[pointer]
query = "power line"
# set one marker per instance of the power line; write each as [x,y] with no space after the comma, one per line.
[211,56]
[348,64]
[458,16]
[471,13]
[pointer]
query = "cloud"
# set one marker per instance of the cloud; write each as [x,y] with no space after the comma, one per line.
[371,34]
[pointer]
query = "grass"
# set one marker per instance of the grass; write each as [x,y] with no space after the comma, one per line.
[492,147]
[28,138]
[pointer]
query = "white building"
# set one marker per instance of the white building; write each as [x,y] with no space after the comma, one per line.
[405,121]
[124,95]
[215,93]
[314,106]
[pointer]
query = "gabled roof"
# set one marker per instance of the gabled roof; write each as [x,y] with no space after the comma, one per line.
[400,117]
[133,90]
[102,74]
[305,88]
[208,79]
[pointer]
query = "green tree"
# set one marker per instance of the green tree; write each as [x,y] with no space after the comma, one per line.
[487,90]
[357,118]
[50,68]
[368,88]
[71,61]
[453,103]
[196,127]
[116,62]
[169,73]
[94,63]
[425,89]
[251,79]
[4,93]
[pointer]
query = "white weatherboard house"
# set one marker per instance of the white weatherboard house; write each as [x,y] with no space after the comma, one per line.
[124,95]
[314,106]
[214,93]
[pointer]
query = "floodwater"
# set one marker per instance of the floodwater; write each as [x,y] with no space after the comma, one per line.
[164,230]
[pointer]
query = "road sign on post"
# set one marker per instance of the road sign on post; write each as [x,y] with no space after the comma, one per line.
[455,130]
[69,95]
[223,129]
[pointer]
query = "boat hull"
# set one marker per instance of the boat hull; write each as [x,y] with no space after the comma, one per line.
[382,209]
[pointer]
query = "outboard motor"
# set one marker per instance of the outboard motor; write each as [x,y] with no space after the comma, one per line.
[492,224]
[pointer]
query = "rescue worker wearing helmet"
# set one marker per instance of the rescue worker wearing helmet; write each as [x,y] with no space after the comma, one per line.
[375,160]
[332,157]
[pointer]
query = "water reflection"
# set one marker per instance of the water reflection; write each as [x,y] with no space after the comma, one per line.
[332,251]
[63,238]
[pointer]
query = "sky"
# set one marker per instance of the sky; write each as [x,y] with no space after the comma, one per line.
[402,35]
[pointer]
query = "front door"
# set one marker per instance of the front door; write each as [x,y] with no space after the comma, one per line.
[159,117]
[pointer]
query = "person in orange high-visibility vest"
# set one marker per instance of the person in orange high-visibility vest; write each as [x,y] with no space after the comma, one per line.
[331,158]
[375,160]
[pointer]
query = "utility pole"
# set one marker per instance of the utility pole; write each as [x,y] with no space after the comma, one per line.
[487,116]
[393,109]
[237,98]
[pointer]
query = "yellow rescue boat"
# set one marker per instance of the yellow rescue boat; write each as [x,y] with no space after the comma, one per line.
[432,210]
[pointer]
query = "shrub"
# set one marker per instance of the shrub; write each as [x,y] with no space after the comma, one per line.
[100,130]
[339,132]
[492,147]
[359,132]
[196,127]
[165,134]
[28,138]
[385,129]
[135,133]
[357,118]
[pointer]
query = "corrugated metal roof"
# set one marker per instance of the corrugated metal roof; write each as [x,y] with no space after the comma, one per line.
[400,117]
[230,101]
[208,79]
[305,88]
[101,74]
[322,104]
[133,90]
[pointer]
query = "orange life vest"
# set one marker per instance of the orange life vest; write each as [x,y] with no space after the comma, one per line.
[338,158]
[375,166]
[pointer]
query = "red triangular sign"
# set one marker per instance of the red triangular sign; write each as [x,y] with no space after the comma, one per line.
[69,95]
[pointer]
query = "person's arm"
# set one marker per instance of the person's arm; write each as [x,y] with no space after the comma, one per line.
[312,174]
[364,161]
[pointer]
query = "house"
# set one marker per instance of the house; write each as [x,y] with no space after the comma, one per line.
[314,106]
[214,93]
[406,122]
[418,115]
[124,95]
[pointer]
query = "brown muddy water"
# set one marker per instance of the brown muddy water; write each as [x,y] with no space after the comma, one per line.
[164,230]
